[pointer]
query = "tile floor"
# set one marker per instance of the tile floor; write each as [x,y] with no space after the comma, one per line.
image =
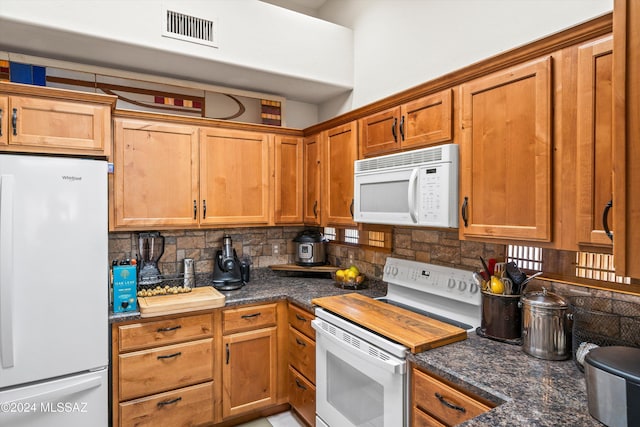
[283,419]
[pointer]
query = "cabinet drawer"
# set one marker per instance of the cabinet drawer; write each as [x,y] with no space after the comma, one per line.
[165,368]
[443,402]
[302,353]
[163,332]
[302,396]
[301,320]
[247,318]
[421,419]
[184,407]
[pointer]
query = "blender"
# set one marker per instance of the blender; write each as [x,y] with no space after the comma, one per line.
[151,246]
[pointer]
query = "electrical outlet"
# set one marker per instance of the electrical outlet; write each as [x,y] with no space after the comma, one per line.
[275,249]
[351,256]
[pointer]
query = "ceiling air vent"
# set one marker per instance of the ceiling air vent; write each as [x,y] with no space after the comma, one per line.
[189,28]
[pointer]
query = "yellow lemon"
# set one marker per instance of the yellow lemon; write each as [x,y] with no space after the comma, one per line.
[497,287]
[354,269]
[350,275]
[340,275]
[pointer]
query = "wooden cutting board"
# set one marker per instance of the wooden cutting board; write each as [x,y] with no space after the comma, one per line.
[301,268]
[415,331]
[198,299]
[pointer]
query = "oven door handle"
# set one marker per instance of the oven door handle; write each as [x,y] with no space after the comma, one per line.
[393,365]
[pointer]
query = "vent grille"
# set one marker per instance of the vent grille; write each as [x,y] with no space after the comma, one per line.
[189,28]
[442,153]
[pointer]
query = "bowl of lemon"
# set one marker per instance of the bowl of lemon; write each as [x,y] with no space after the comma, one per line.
[349,278]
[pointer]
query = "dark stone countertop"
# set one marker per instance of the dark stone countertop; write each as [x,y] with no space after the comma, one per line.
[527,390]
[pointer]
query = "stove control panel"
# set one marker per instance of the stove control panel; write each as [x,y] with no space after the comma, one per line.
[451,283]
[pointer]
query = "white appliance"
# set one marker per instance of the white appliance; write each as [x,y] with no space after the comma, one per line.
[361,376]
[53,292]
[418,187]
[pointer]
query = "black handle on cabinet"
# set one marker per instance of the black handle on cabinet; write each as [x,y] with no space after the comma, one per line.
[169,402]
[300,385]
[14,121]
[315,209]
[195,209]
[300,318]
[204,209]
[449,404]
[402,127]
[249,316]
[1,112]
[301,343]
[351,208]
[465,211]
[169,329]
[393,129]
[605,222]
[169,356]
[228,354]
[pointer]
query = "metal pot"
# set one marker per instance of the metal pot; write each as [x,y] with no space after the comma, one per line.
[545,325]
[310,248]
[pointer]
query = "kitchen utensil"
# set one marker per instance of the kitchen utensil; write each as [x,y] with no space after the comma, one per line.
[310,248]
[612,375]
[545,327]
[527,280]
[151,247]
[514,273]
[498,268]
[486,269]
[508,286]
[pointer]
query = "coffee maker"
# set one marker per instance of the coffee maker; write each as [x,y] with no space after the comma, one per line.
[227,271]
[151,247]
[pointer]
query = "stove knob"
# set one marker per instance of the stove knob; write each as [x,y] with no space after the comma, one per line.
[473,288]
[451,284]
[462,286]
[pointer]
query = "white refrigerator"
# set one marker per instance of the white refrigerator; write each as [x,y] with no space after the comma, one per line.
[53,292]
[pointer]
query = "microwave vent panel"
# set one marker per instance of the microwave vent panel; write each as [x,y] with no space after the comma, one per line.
[442,153]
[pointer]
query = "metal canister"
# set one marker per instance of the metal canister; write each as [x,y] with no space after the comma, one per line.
[545,325]
[189,273]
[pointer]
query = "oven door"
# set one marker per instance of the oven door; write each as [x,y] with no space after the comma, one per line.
[357,384]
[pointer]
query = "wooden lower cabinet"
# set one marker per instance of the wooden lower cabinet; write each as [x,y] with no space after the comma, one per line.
[435,403]
[302,396]
[302,364]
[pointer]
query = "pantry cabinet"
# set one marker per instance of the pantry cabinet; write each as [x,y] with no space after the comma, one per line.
[505,150]
[595,149]
[156,178]
[288,182]
[249,355]
[312,179]
[302,364]
[425,121]
[54,121]
[163,372]
[626,135]
[434,403]
[340,152]
[235,171]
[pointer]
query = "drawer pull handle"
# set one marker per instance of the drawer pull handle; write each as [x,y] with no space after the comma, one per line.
[300,385]
[169,402]
[14,121]
[169,329]
[228,354]
[169,356]
[250,316]
[300,318]
[449,404]
[302,343]
[1,121]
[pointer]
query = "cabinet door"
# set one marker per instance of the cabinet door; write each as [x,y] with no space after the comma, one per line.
[595,150]
[505,186]
[288,180]
[4,120]
[302,396]
[155,174]
[426,120]
[234,177]
[340,153]
[61,127]
[626,135]
[380,133]
[249,371]
[312,155]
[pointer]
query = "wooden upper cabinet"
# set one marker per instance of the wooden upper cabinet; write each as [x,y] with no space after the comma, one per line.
[341,150]
[155,181]
[505,189]
[4,120]
[425,121]
[312,164]
[288,180]
[595,150]
[626,137]
[235,173]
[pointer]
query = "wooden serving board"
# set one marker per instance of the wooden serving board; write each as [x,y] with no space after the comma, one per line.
[415,331]
[296,267]
[198,299]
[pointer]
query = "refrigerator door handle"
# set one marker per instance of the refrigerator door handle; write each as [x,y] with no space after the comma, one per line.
[6,271]
[56,394]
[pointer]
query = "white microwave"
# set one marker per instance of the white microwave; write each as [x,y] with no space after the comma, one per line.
[418,187]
